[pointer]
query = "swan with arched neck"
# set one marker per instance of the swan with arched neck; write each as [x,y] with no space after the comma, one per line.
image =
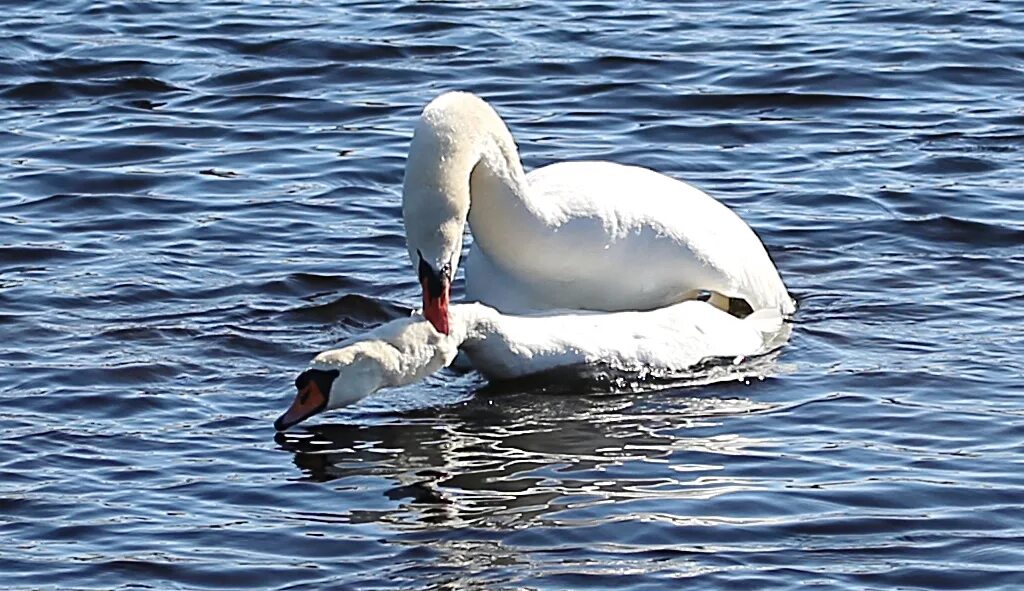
[577,235]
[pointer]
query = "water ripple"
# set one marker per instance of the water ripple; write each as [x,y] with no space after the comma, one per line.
[197,198]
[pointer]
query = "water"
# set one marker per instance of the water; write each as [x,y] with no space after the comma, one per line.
[196,197]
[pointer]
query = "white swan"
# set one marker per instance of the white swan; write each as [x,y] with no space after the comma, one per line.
[576,235]
[503,346]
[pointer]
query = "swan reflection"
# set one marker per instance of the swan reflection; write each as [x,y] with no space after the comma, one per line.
[514,456]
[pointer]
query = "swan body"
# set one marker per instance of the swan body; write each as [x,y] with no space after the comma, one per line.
[674,338]
[503,346]
[579,235]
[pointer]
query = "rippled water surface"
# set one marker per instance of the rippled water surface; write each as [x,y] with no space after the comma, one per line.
[195,197]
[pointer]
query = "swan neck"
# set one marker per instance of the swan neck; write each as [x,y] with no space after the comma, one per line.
[462,158]
[497,179]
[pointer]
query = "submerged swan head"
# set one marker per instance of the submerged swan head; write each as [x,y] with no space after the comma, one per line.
[456,132]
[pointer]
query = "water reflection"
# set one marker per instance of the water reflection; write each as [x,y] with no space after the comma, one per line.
[507,459]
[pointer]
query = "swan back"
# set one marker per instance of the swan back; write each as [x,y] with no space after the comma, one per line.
[615,237]
[673,338]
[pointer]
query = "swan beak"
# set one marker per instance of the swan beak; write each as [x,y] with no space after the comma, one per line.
[435,305]
[436,289]
[310,400]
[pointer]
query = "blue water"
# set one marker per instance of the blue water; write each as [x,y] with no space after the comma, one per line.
[197,196]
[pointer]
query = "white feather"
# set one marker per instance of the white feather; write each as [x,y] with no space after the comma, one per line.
[579,235]
[503,346]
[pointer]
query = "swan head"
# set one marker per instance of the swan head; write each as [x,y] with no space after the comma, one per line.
[398,353]
[436,281]
[336,378]
[449,140]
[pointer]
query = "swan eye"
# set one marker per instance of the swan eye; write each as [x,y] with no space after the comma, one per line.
[425,271]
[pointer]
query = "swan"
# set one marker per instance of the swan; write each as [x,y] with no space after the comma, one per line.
[503,346]
[571,235]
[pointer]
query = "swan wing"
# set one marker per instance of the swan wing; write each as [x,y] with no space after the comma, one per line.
[606,236]
[670,339]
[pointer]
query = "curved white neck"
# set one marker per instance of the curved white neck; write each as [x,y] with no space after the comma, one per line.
[461,154]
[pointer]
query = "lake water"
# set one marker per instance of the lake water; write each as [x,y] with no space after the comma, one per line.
[196,197]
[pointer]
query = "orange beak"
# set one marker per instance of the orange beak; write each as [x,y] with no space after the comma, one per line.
[308,402]
[435,309]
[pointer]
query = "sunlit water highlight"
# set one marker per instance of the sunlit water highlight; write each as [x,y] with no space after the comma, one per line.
[196,197]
